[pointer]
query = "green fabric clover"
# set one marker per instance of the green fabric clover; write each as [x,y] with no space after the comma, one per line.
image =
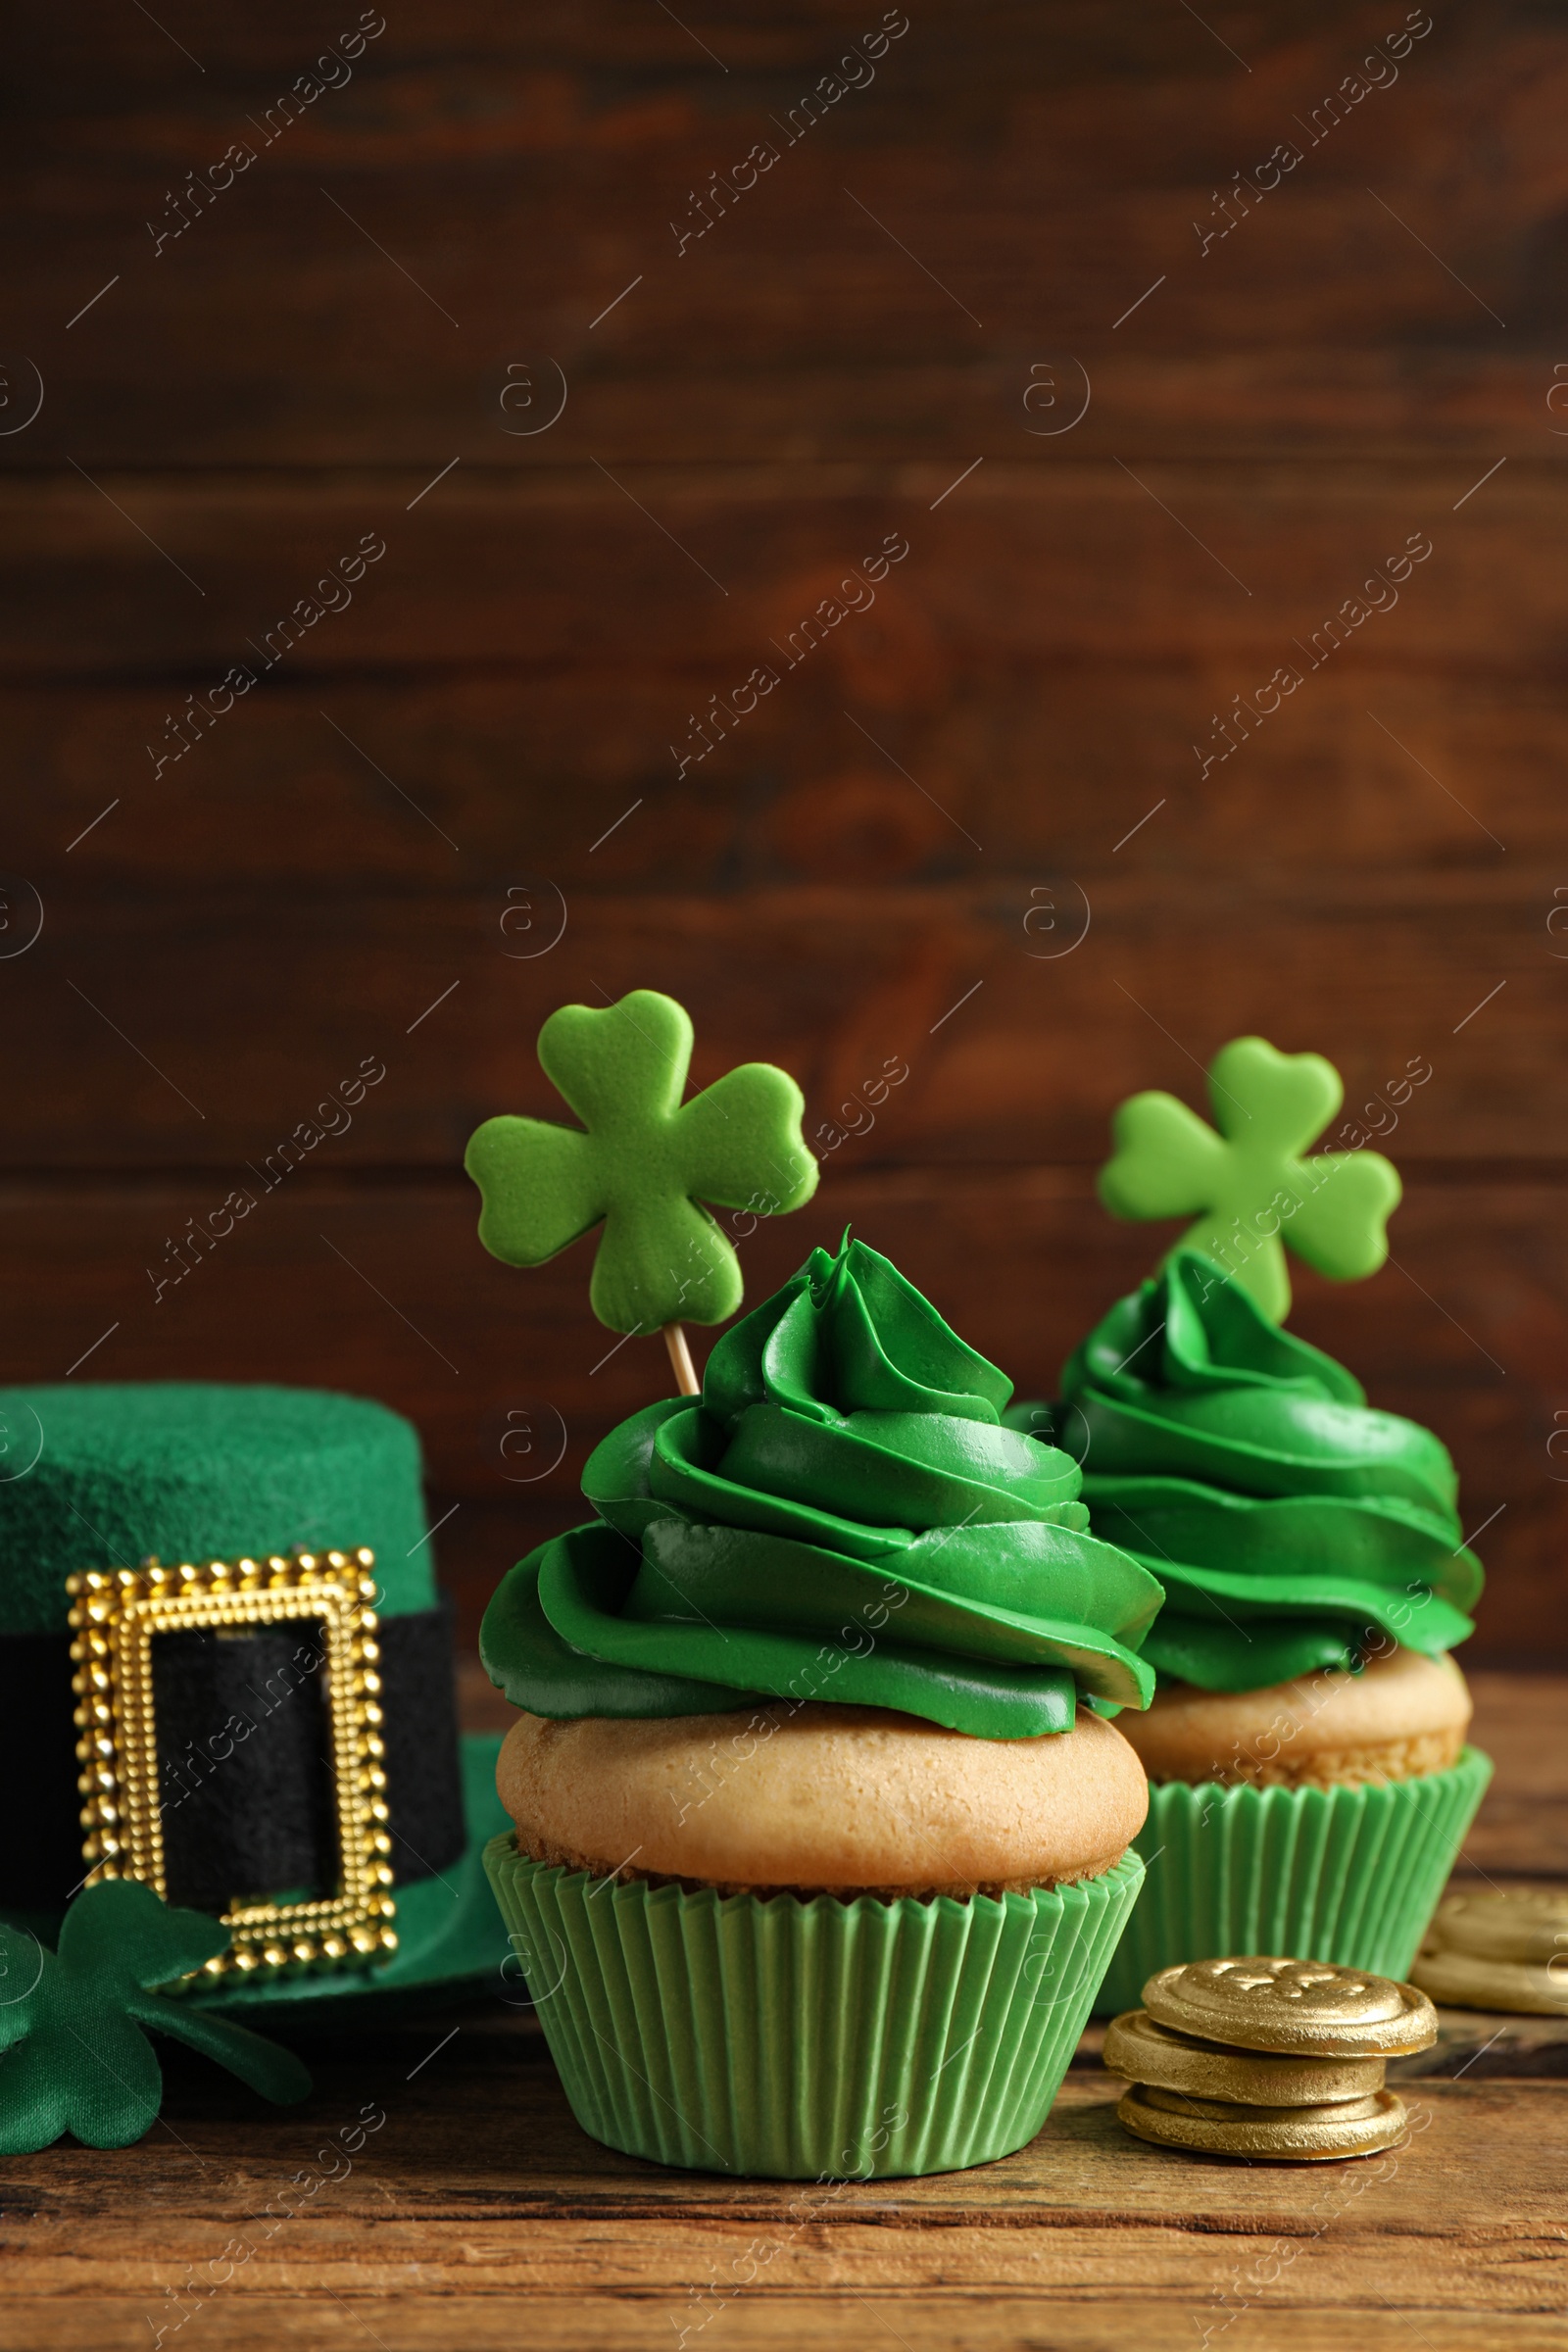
[1249,1187]
[642,1163]
[74,2026]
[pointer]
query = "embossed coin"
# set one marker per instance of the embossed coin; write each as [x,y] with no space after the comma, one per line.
[1464,1981]
[1293,2006]
[1526,1923]
[1146,2052]
[1285,2135]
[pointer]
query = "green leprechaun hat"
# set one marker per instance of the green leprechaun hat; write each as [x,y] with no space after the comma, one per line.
[225,1673]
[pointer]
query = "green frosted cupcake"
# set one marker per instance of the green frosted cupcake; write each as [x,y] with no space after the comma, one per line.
[1310,1781]
[821,1847]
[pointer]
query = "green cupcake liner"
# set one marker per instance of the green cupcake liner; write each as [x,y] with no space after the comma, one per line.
[1350,1875]
[826,2040]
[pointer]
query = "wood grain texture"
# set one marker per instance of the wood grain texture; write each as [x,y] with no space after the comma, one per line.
[1014,1053]
[980,2320]
[1045,165]
[1047,764]
[1522,1828]
[1081,557]
[480,2186]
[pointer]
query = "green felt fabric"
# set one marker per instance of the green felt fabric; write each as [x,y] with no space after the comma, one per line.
[1247,1186]
[1286,1518]
[197,1472]
[642,1163]
[73,2052]
[450,1939]
[450,1942]
[841,1515]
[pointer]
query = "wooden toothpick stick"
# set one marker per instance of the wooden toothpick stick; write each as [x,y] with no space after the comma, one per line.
[680,1356]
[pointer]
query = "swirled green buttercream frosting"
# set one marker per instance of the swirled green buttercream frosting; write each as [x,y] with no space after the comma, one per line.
[1288,1522]
[840,1515]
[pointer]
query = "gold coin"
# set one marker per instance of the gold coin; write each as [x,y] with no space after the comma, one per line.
[1146,2052]
[1527,1924]
[1240,2111]
[1463,1981]
[1284,2134]
[1292,2006]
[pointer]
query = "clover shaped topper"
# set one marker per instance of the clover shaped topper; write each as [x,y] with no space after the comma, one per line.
[1249,1187]
[642,1165]
[74,2026]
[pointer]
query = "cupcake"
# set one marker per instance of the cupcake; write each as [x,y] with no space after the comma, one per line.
[1305,1746]
[822,1844]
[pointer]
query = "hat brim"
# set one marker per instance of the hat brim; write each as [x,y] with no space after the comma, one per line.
[451,1939]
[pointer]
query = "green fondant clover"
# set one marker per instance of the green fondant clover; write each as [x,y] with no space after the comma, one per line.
[73,2024]
[1249,1187]
[642,1163]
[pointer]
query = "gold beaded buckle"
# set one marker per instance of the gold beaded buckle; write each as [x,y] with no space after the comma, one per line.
[114,1615]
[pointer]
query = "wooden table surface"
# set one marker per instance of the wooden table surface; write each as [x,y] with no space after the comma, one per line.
[477,2214]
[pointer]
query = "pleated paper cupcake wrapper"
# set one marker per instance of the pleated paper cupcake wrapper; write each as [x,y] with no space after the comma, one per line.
[825,2039]
[1350,1875]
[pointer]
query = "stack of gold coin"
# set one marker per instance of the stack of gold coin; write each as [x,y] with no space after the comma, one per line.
[1498,1948]
[1280,2059]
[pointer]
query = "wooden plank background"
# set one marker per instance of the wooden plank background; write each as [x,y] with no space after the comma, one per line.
[453,804]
